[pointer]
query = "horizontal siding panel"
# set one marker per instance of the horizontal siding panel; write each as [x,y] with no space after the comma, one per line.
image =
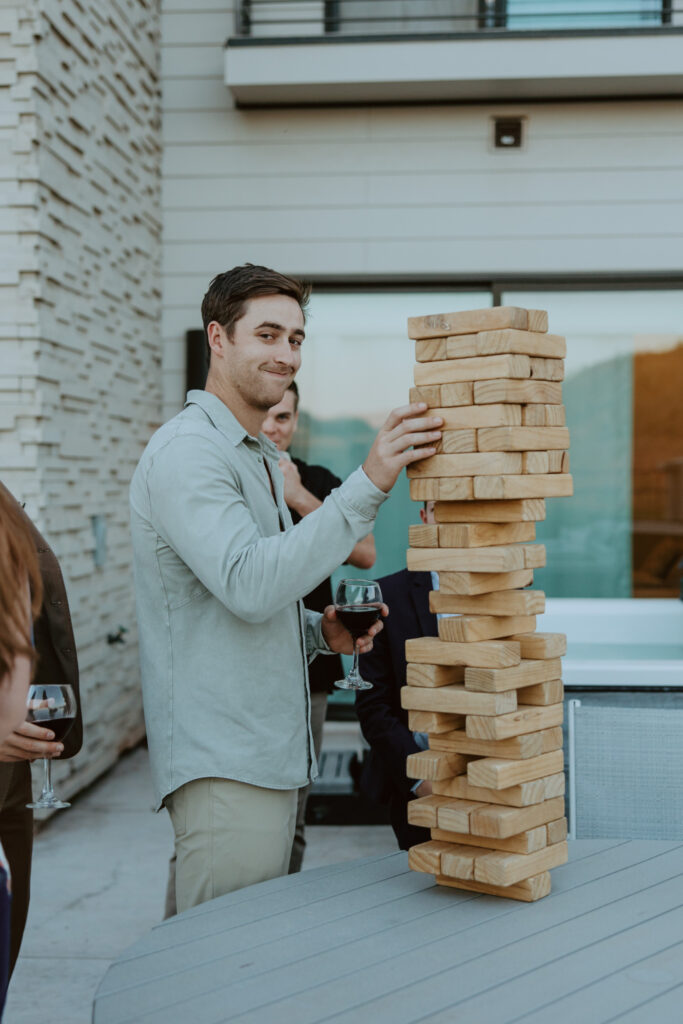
[493,186]
[425,257]
[195,94]
[504,221]
[466,154]
[181,62]
[189,27]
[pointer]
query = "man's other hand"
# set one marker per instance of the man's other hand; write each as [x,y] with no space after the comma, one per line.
[338,638]
[407,436]
[28,743]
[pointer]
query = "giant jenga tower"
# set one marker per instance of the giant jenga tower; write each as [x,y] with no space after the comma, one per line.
[488,690]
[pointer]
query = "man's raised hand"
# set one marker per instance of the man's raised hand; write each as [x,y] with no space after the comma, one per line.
[407,435]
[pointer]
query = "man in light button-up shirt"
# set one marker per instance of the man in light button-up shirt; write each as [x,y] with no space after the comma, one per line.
[220,572]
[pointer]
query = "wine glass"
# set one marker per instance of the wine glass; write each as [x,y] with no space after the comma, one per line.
[51,707]
[358,604]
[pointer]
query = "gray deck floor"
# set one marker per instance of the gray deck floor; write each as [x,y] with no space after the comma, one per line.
[372,941]
[99,878]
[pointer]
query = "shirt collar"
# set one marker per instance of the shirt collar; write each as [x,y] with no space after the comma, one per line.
[219,414]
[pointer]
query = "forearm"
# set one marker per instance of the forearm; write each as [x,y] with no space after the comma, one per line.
[364,554]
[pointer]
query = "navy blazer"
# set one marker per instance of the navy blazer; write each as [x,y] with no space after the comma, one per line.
[383,721]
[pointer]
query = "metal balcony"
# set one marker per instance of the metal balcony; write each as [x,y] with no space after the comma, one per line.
[288,52]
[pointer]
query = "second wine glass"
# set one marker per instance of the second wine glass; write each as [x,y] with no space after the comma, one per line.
[358,604]
[52,707]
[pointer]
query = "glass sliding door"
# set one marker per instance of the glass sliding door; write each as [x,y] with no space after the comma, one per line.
[621,534]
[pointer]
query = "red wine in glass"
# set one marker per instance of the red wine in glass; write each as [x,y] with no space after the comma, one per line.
[358,604]
[51,707]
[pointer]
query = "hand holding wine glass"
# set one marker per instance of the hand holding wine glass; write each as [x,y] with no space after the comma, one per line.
[358,605]
[54,708]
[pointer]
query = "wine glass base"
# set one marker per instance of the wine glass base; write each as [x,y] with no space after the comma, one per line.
[351,684]
[48,805]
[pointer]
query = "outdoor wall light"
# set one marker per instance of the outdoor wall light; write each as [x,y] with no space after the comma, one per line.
[507,132]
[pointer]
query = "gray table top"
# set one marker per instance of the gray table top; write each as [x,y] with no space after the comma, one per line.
[370,940]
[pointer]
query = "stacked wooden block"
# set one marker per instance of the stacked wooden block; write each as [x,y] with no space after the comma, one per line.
[488,690]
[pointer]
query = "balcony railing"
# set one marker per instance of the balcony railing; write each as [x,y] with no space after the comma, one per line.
[392,18]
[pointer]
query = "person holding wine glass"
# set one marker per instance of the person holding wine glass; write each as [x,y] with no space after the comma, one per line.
[56,664]
[220,571]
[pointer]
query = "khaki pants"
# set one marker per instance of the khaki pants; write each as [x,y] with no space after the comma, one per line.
[228,835]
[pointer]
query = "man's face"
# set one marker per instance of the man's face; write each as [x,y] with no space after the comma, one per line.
[264,353]
[280,423]
[427,513]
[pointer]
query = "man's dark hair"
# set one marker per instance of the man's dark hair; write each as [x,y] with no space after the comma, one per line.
[295,391]
[227,295]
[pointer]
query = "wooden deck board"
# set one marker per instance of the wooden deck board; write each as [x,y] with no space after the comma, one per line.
[371,940]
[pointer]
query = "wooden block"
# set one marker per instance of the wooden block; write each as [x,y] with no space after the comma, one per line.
[427,856]
[441,489]
[543,416]
[488,343]
[467,465]
[458,861]
[500,773]
[434,722]
[455,700]
[487,654]
[423,536]
[536,462]
[502,602]
[501,868]
[518,747]
[505,558]
[435,764]
[455,442]
[469,628]
[542,645]
[541,694]
[479,535]
[555,461]
[565,462]
[527,673]
[522,439]
[454,815]
[432,348]
[456,394]
[431,395]
[471,417]
[473,321]
[556,831]
[524,719]
[525,510]
[528,891]
[473,583]
[422,812]
[500,821]
[518,392]
[434,675]
[526,842]
[549,485]
[554,786]
[527,794]
[451,371]
[547,369]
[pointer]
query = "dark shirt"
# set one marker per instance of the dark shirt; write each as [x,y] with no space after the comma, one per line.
[326,669]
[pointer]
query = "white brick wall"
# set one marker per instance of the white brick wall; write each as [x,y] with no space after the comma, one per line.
[80,368]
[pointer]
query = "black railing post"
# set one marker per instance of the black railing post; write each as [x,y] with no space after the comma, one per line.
[244,18]
[492,14]
[332,16]
[667,12]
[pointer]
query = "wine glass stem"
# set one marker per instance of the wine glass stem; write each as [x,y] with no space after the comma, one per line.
[47,793]
[354,673]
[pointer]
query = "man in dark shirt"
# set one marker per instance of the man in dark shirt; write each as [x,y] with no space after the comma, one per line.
[306,487]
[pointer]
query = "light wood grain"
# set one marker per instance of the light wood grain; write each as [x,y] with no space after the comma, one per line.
[474,583]
[542,645]
[518,392]
[550,485]
[441,489]
[532,744]
[528,891]
[487,654]
[526,842]
[434,721]
[541,694]
[434,675]
[485,343]
[547,369]
[451,371]
[456,700]
[471,417]
[526,795]
[470,464]
[527,673]
[500,773]
[502,602]
[524,510]
[472,322]
[501,821]
[427,856]
[502,558]
[422,812]
[478,535]
[522,439]
[543,416]
[524,719]
[435,764]
[455,442]
[469,628]
[536,462]
[501,868]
